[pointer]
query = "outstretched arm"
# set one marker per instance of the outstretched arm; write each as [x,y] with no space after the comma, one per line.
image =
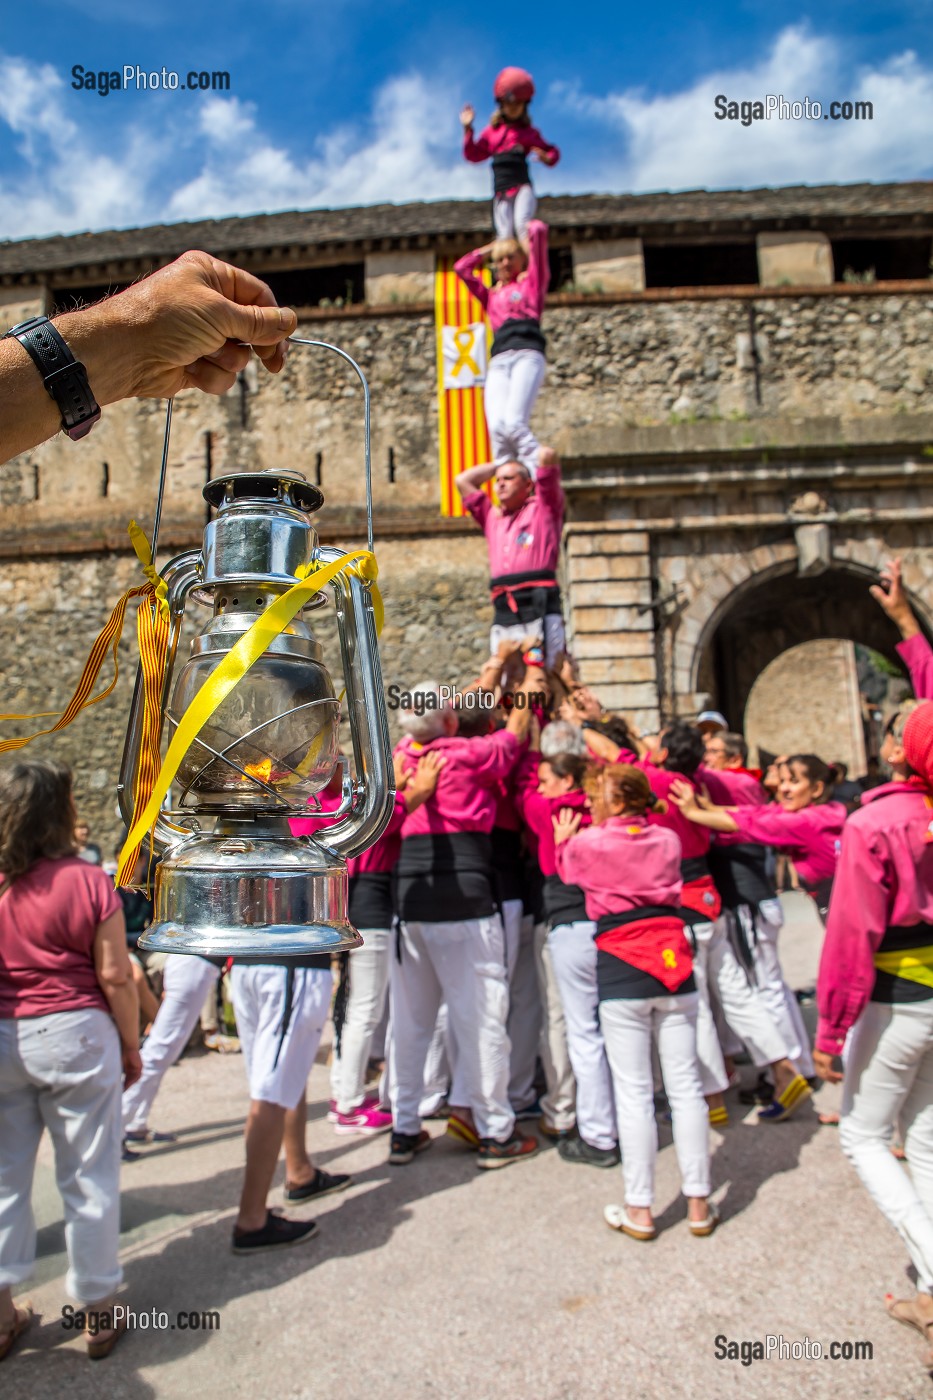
[684,797]
[191,325]
[913,649]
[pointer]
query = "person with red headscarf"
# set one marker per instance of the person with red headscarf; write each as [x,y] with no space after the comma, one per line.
[875,987]
[509,139]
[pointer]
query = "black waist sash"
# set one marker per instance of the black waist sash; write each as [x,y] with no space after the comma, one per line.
[889,987]
[533,592]
[509,170]
[519,333]
[694,868]
[445,877]
[563,904]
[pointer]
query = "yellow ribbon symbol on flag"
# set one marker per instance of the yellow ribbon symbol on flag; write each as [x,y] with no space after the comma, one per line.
[463,339]
[669,957]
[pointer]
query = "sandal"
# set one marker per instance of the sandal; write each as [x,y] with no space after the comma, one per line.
[99,1347]
[910,1318]
[23,1318]
[707,1226]
[616,1217]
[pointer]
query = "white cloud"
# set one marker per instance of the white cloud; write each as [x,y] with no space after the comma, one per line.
[158,160]
[394,156]
[674,141]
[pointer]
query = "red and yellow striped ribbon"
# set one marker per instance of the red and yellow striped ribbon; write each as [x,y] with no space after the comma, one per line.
[462,433]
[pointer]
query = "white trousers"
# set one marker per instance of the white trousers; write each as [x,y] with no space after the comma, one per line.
[780,1001]
[461,962]
[278,1066]
[742,1004]
[369,985]
[186,982]
[573,953]
[889,1077]
[513,382]
[628,1028]
[524,1021]
[62,1072]
[558,1105]
[712,1067]
[511,214]
[549,631]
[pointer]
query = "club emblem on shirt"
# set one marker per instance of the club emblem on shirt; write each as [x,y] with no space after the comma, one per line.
[515,297]
[525,539]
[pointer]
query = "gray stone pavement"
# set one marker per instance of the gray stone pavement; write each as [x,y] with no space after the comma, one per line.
[436,1279]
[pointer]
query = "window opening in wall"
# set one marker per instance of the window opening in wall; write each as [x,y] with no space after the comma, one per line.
[881,259]
[105,479]
[391,465]
[701,265]
[318,467]
[343,284]
[560,262]
[35,481]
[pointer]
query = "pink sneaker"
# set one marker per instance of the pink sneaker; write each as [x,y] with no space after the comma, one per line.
[365,1121]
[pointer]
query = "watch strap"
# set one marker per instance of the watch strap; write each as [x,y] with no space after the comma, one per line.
[64,377]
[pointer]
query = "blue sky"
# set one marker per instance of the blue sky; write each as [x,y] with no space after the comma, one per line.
[356,102]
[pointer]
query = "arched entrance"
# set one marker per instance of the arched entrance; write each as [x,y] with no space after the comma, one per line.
[777,610]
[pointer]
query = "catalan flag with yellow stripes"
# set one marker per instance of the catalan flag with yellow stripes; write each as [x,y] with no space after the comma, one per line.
[463,340]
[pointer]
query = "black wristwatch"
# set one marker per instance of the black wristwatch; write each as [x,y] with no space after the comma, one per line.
[64,377]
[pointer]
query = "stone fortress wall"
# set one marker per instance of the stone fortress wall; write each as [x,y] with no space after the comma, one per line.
[692,425]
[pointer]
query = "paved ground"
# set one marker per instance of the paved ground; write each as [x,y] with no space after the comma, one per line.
[438,1280]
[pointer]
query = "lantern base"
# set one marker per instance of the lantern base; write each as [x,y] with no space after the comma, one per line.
[250,889]
[257,943]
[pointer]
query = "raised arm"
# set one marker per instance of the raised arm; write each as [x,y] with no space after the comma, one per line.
[474,478]
[467,268]
[548,489]
[684,798]
[538,273]
[913,649]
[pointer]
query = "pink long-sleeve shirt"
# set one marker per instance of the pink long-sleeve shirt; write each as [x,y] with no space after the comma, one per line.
[811,836]
[496,140]
[526,539]
[468,786]
[378,858]
[694,840]
[538,812]
[917,656]
[521,300]
[884,880]
[624,863]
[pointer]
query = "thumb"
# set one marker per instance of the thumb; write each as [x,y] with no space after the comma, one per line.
[259,325]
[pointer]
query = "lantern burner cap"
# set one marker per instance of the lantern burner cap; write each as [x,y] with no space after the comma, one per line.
[291,488]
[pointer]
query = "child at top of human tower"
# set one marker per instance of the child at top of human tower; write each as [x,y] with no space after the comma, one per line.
[508,140]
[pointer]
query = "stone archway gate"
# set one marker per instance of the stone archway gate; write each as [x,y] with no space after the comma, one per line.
[669,527]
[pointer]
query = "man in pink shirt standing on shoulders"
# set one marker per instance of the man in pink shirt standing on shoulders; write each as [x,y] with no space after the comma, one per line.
[523,533]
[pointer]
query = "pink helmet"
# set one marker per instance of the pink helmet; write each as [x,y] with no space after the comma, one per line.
[514,83]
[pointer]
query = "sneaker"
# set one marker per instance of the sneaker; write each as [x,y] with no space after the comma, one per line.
[405,1145]
[494,1154]
[577,1149]
[277,1233]
[365,1121]
[368,1101]
[321,1184]
[464,1133]
[529,1113]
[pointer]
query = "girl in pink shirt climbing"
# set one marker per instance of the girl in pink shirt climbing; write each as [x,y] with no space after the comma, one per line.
[508,140]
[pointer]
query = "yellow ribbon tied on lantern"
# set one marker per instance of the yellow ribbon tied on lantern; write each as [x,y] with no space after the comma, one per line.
[108,639]
[235,665]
